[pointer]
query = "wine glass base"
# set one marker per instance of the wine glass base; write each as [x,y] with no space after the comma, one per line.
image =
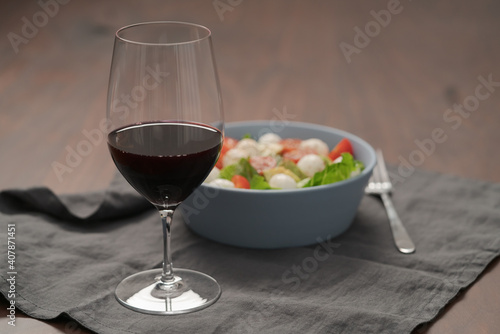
[189,292]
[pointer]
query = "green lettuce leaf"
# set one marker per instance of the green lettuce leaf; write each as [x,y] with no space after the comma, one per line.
[336,172]
[245,169]
[242,168]
[259,182]
[228,172]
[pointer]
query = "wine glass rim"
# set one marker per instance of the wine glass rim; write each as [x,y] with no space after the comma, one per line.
[199,26]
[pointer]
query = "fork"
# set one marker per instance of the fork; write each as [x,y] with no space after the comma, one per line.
[380,184]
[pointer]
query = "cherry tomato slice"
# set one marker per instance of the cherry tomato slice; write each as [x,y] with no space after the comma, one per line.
[262,163]
[344,146]
[290,144]
[240,182]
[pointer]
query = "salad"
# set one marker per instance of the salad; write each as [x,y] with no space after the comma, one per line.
[272,162]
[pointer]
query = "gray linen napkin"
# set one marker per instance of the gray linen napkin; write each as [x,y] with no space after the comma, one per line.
[70,257]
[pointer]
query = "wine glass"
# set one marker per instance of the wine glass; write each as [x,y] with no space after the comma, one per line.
[165,117]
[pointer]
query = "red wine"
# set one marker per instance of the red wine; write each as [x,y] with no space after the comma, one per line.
[165,161]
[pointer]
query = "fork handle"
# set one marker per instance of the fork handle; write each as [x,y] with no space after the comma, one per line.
[401,237]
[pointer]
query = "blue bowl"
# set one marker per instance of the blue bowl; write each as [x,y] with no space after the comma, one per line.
[269,219]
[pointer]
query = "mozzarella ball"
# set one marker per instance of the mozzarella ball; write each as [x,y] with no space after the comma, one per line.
[269,138]
[310,164]
[315,145]
[233,156]
[248,145]
[221,183]
[214,174]
[282,181]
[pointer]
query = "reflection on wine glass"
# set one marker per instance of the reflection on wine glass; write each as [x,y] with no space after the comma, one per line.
[166,130]
[152,298]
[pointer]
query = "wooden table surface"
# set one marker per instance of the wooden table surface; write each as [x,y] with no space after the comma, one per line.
[419,79]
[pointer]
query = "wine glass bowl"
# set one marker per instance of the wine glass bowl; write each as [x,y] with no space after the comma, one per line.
[165,116]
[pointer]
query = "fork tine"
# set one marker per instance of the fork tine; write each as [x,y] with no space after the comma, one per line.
[384,176]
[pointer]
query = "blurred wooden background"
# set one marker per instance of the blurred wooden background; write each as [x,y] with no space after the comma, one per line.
[415,67]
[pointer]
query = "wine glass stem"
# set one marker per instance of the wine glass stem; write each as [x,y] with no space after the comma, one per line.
[166,220]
